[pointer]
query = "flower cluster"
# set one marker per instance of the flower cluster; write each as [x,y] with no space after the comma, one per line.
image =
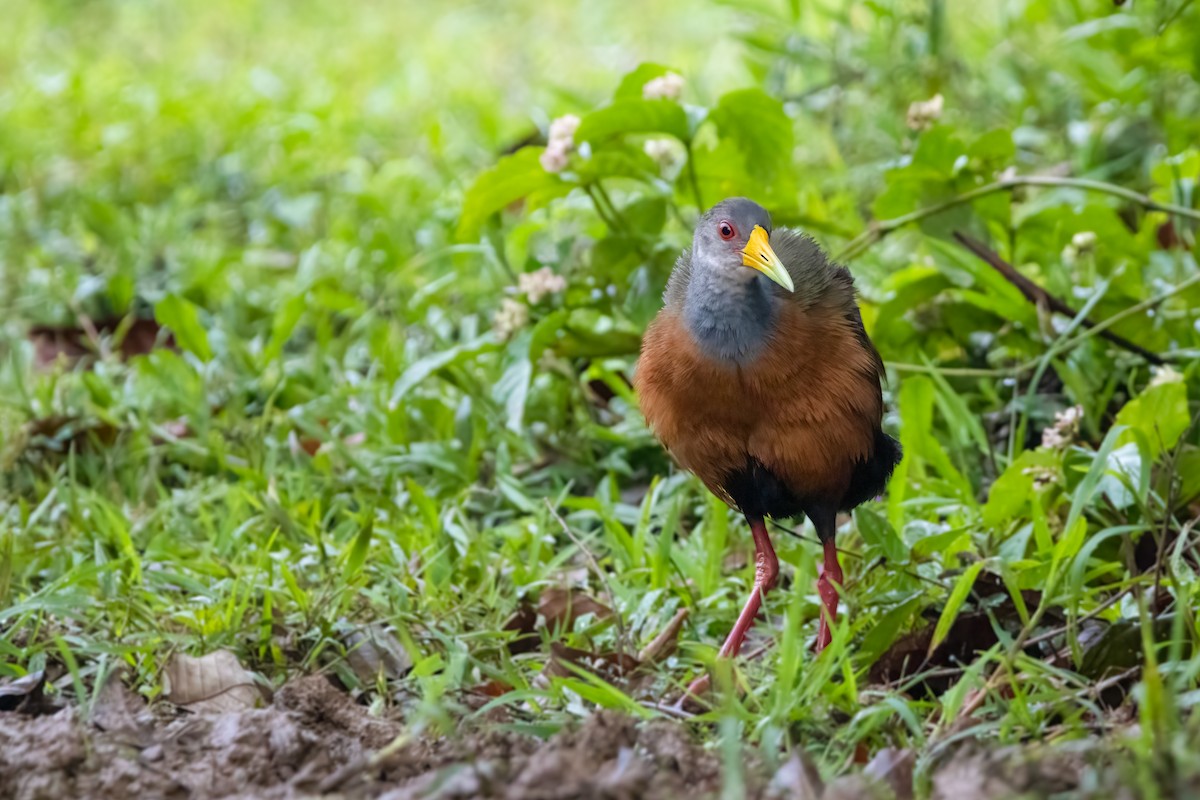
[512,316]
[1081,244]
[1064,430]
[1163,375]
[664,87]
[665,152]
[561,143]
[923,113]
[539,284]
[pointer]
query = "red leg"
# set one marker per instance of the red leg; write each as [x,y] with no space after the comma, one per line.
[827,586]
[766,571]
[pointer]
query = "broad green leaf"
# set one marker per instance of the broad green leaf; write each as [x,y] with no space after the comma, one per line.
[1009,494]
[183,318]
[512,178]
[995,145]
[423,368]
[757,125]
[633,116]
[917,436]
[585,332]
[878,533]
[512,389]
[881,635]
[958,596]
[1160,412]
[356,553]
[616,162]
[284,322]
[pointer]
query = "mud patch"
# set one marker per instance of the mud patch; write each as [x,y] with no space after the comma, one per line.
[314,740]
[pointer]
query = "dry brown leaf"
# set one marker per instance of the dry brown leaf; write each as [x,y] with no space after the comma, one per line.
[213,684]
[118,710]
[561,607]
[893,767]
[665,643]
[797,779]
[72,343]
[607,665]
[22,693]
[374,652]
[492,688]
[523,623]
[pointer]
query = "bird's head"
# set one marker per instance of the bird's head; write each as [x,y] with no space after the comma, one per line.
[735,234]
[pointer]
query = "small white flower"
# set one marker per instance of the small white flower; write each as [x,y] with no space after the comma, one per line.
[923,113]
[1064,430]
[539,284]
[1084,241]
[1042,476]
[1163,375]
[561,143]
[665,152]
[563,129]
[553,158]
[664,87]
[512,316]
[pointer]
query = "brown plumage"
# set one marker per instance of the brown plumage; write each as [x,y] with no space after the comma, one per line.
[770,396]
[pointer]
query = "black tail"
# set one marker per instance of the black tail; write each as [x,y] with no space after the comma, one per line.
[871,476]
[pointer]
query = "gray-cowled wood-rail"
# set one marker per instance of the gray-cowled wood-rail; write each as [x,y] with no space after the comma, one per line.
[758,376]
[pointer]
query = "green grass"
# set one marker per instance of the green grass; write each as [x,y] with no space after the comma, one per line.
[294,190]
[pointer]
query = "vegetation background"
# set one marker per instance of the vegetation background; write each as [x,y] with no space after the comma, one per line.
[301,339]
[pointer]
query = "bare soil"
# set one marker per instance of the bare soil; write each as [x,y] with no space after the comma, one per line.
[314,740]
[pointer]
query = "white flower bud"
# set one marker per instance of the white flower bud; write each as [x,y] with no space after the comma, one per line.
[664,87]
[512,316]
[923,113]
[539,284]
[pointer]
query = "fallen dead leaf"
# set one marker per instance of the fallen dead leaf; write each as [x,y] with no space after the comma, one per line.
[211,684]
[374,652]
[797,779]
[972,632]
[608,665]
[523,623]
[492,688]
[118,710]
[893,768]
[73,343]
[561,607]
[24,693]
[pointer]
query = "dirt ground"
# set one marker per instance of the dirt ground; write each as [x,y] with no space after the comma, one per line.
[314,740]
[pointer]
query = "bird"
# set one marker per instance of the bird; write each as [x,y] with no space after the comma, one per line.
[758,376]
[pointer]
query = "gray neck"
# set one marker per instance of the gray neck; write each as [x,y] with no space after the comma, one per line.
[730,314]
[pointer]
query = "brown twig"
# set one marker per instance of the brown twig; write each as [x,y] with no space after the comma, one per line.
[665,642]
[1039,296]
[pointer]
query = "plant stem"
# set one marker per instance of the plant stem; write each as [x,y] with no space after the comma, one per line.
[880,228]
[691,168]
[1057,348]
[599,206]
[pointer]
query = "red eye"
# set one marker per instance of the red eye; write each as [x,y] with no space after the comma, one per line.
[726,230]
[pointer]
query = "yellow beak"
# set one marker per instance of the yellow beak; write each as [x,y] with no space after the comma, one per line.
[759,255]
